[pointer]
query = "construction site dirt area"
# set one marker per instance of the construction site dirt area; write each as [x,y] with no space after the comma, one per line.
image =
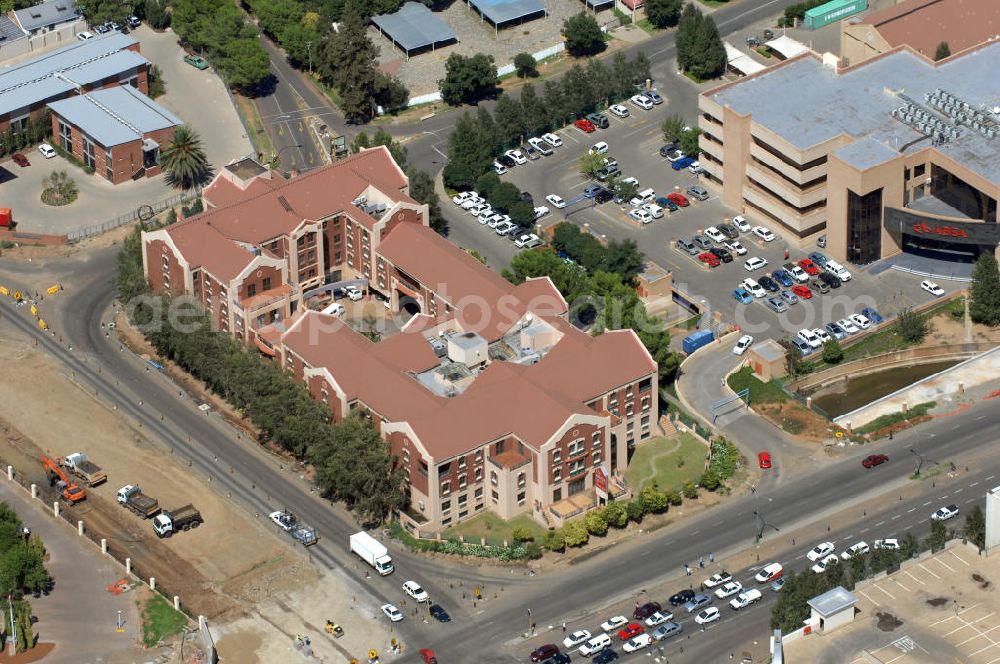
[44,412]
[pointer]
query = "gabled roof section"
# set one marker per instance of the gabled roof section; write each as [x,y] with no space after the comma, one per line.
[50,12]
[204,247]
[116,115]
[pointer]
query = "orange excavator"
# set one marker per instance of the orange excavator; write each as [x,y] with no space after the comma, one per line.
[71,491]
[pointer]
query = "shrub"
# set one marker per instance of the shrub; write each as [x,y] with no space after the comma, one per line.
[554,541]
[635,511]
[710,479]
[690,490]
[575,533]
[596,525]
[912,326]
[674,497]
[833,352]
[616,514]
[653,500]
[521,534]
[525,65]
[725,459]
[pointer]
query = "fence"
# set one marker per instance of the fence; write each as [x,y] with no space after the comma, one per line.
[146,211]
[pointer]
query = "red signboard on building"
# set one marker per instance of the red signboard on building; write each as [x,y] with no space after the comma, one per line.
[600,479]
[922,228]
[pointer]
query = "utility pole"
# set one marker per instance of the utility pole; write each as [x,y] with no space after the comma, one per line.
[13,630]
[310,50]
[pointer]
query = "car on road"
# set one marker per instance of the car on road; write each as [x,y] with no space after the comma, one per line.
[848,326]
[740,222]
[20,160]
[619,110]
[764,460]
[821,565]
[552,140]
[556,201]
[637,643]
[611,624]
[809,337]
[782,277]
[717,580]
[810,267]
[585,125]
[753,287]
[754,263]
[646,610]
[391,612]
[599,120]
[711,614]
[709,259]
[283,519]
[728,589]
[413,589]
[658,618]
[561,658]
[763,233]
[859,549]
[927,285]
[778,585]
[736,248]
[945,513]
[666,630]
[642,101]
[769,284]
[776,305]
[820,550]
[769,572]
[47,150]
[872,315]
[715,234]
[438,613]
[630,630]
[599,148]
[427,656]
[678,199]
[891,544]
[802,291]
[542,653]
[533,153]
[836,331]
[742,296]
[606,656]
[697,602]
[576,638]
[682,597]
[594,645]
[745,599]
[861,321]
[873,460]
[742,344]
[698,192]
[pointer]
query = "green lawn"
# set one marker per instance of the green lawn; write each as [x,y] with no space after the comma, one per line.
[494,529]
[760,392]
[669,462]
[647,26]
[160,621]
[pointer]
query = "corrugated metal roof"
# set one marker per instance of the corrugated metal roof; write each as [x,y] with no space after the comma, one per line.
[502,11]
[83,63]
[10,31]
[51,12]
[115,115]
[414,26]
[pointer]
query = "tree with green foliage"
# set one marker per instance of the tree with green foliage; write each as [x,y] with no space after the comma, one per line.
[156,14]
[794,363]
[938,537]
[859,568]
[687,31]
[102,11]
[911,326]
[615,514]
[674,497]
[398,151]
[833,352]
[183,159]
[909,546]
[525,65]
[422,191]
[533,111]
[623,191]
[672,127]
[699,47]
[554,541]
[522,213]
[467,79]
[664,13]
[575,533]
[555,103]
[157,86]
[984,293]
[943,51]
[622,257]
[975,527]
[503,196]
[488,128]
[583,35]
[486,183]
[390,92]
[509,117]
[635,511]
[348,63]
[469,156]
[245,65]
[654,501]
[591,163]
[595,523]
[689,142]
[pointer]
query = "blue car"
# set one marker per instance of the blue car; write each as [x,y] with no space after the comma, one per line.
[819,259]
[871,315]
[742,296]
[783,278]
[682,163]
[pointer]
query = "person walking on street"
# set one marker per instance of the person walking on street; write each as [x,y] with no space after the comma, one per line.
[687,570]
[564,625]
[701,562]
[711,557]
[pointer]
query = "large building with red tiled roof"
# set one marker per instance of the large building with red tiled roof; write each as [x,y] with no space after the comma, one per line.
[487,395]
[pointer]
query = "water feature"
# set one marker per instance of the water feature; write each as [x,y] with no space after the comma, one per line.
[844,396]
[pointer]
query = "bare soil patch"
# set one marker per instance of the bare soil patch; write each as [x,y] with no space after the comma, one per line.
[887,622]
[795,419]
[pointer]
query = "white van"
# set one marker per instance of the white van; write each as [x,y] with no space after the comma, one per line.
[595,645]
[644,196]
[744,599]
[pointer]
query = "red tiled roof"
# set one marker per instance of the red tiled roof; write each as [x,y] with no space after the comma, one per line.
[202,246]
[222,192]
[923,24]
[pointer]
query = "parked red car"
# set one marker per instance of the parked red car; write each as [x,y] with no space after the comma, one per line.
[711,259]
[678,199]
[764,460]
[630,630]
[646,610]
[809,267]
[21,160]
[428,657]
[873,460]
[802,291]
[585,125]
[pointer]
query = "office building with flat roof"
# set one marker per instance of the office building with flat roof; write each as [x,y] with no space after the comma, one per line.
[898,154]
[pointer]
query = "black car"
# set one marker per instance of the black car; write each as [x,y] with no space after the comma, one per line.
[439,614]
[769,284]
[603,196]
[599,119]
[527,198]
[506,161]
[830,279]
[683,597]
[668,148]
[722,254]
[605,656]
[561,658]
[729,231]
[532,153]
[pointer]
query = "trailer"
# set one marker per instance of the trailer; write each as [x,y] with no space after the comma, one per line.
[169,522]
[80,465]
[132,497]
[304,534]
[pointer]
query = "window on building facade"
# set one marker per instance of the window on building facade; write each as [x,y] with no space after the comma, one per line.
[557,474]
[109,165]
[495,496]
[251,290]
[301,241]
[864,227]
[463,514]
[446,522]
[597,459]
[65,136]
[521,480]
[464,498]
[479,492]
[629,411]
[479,474]
[266,284]
[493,477]
[88,152]
[596,438]
[326,400]
[645,403]
[500,446]
[446,487]
[462,482]
[645,384]
[576,467]
[520,498]
[406,456]
[445,505]
[557,456]
[575,448]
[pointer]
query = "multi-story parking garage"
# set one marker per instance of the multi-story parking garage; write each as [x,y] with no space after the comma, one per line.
[898,154]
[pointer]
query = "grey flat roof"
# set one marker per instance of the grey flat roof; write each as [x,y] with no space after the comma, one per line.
[858,102]
[769,349]
[50,12]
[414,26]
[502,11]
[113,116]
[82,63]
[866,153]
[10,31]
[833,601]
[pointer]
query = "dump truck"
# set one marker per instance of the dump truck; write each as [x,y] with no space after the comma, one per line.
[68,489]
[168,522]
[132,497]
[88,471]
[372,552]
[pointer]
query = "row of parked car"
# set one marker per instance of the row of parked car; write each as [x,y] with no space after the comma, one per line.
[104,28]
[536,148]
[499,223]
[808,341]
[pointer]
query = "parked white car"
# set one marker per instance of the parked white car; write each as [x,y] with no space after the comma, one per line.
[552,140]
[499,168]
[810,338]
[576,638]
[619,110]
[641,215]
[85,36]
[945,513]
[47,150]
[743,344]
[711,614]
[769,572]
[754,263]
[658,618]
[642,101]
[892,543]
[413,589]
[821,565]
[859,549]
[391,612]
[556,201]
[516,155]
[654,210]
[637,643]
[541,211]
[729,589]
[820,550]
[717,579]
[599,148]
[353,294]
[463,196]
[847,325]
[715,234]
[763,233]
[740,222]
[527,241]
[595,645]
[736,248]
[798,274]
[861,321]
[839,270]
[745,599]
[932,288]
[611,624]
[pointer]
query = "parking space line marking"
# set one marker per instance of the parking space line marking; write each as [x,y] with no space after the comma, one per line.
[966,610]
[946,566]
[907,572]
[959,628]
[958,557]
[973,484]
[982,634]
[896,516]
[891,596]
[994,660]
[866,596]
[927,503]
[912,509]
[923,567]
[879,524]
[943,620]
[900,585]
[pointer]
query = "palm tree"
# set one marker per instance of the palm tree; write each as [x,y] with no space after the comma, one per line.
[184,159]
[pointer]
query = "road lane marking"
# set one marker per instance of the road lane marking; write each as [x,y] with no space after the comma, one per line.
[864,530]
[895,517]
[927,503]
[907,528]
[971,500]
[981,417]
[973,484]
[959,490]
[879,524]
[912,509]
[989,478]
